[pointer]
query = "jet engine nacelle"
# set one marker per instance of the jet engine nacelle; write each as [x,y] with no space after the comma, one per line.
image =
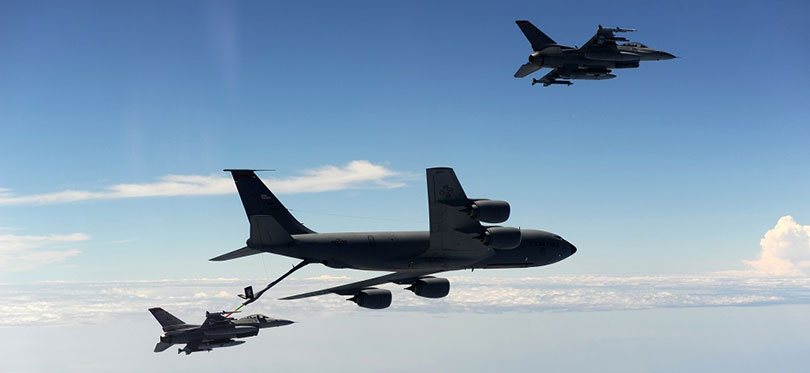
[373,298]
[430,287]
[490,211]
[536,58]
[501,238]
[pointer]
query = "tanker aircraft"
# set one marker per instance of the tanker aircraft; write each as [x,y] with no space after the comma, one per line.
[592,61]
[456,240]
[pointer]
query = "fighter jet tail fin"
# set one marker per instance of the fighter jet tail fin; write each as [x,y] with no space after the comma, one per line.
[259,200]
[161,346]
[537,38]
[164,318]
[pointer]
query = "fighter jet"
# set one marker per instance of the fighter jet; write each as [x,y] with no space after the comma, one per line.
[592,61]
[456,240]
[218,330]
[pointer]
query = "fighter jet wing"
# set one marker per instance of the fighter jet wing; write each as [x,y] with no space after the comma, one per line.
[552,75]
[605,38]
[353,288]
[453,233]
[526,69]
[192,346]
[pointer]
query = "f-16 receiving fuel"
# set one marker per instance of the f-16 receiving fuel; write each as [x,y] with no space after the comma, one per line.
[592,61]
[218,330]
[456,240]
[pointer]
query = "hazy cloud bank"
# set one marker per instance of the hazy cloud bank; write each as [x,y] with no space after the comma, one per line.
[354,175]
[71,303]
[23,252]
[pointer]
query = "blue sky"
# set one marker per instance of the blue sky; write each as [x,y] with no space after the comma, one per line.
[679,166]
[662,177]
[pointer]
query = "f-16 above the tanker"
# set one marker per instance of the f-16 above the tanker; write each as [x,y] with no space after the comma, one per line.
[592,61]
[456,240]
[218,330]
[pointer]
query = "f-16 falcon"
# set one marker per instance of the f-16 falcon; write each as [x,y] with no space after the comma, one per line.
[457,240]
[595,60]
[217,331]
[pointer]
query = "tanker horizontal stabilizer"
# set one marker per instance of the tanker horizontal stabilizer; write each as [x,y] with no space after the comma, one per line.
[238,253]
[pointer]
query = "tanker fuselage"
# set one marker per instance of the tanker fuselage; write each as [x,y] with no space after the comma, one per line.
[397,251]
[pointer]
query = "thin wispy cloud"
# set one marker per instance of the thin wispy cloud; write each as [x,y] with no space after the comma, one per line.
[357,174]
[84,302]
[223,27]
[24,252]
[785,249]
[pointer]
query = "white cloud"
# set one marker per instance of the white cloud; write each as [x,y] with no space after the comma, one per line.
[328,278]
[354,175]
[20,252]
[83,302]
[785,249]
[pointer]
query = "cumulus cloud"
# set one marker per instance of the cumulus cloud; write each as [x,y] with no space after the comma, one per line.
[785,249]
[84,302]
[354,175]
[21,252]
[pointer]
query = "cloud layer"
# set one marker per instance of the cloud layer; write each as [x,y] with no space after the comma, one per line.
[785,249]
[20,252]
[71,302]
[354,175]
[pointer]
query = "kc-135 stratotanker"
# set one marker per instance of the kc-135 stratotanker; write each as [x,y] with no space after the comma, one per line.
[456,240]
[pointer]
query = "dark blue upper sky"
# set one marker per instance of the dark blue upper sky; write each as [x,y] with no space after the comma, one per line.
[676,166]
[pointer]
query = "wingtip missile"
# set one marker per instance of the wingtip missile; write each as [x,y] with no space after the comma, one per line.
[617,29]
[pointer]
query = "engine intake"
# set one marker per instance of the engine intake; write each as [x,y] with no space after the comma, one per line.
[430,287]
[373,298]
[490,211]
[501,238]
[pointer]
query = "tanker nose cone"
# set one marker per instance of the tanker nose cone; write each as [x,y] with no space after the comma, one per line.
[571,249]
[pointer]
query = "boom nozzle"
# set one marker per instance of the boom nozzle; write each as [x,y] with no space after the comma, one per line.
[248,293]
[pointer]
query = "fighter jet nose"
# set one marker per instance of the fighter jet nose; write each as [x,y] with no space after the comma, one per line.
[282,322]
[667,56]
